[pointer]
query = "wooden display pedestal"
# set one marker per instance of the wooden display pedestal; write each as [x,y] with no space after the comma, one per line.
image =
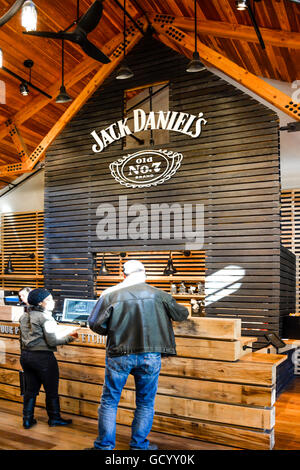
[214,390]
[10,313]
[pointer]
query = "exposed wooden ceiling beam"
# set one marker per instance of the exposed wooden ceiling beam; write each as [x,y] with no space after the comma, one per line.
[70,79]
[19,142]
[171,35]
[222,29]
[133,37]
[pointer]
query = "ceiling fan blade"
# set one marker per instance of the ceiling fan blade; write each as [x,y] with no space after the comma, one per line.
[91,18]
[47,34]
[94,52]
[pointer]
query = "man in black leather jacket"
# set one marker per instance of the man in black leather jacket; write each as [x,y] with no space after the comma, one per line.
[137,319]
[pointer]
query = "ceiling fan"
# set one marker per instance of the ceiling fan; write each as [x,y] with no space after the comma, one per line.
[86,24]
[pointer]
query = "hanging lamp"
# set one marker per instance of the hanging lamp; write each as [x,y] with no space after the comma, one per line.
[104,271]
[9,267]
[29,16]
[170,268]
[241,5]
[195,65]
[24,90]
[124,71]
[63,96]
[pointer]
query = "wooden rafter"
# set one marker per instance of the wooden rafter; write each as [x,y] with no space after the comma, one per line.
[224,29]
[174,36]
[133,37]
[19,142]
[71,78]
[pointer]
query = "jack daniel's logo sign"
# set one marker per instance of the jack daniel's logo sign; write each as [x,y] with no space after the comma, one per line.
[146,168]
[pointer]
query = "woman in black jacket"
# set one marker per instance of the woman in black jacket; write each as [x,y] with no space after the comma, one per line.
[39,336]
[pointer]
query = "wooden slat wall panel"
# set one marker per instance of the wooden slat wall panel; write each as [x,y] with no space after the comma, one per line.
[155,263]
[287,283]
[233,169]
[290,232]
[22,233]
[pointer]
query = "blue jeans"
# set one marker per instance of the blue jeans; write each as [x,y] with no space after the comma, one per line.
[145,368]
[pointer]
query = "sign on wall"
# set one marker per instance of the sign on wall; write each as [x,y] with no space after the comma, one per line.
[147,167]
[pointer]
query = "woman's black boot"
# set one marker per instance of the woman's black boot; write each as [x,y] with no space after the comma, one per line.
[28,412]
[53,410]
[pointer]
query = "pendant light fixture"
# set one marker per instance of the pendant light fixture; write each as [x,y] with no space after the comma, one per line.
[170,268]
[195,65]
[124,71]
[241,5]
[9,267]
[29,16]
[63,96]
[104,271]
[24,90]
[25,84]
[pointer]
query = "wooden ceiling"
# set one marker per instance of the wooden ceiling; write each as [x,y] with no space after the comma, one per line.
[29,123]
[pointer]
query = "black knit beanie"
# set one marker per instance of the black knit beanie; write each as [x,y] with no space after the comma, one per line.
[37,295]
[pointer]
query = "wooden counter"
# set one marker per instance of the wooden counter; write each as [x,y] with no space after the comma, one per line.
[213,390]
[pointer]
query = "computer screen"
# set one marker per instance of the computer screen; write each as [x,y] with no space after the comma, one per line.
[11,297]
[77,309]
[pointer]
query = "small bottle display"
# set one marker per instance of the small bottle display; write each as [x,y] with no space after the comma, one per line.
[192,289]
[182,288]
[195,307]
[173,289]
[201,288]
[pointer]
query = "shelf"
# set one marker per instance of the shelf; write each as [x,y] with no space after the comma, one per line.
[156,278]
[175,296]
[187,296]
[21,276]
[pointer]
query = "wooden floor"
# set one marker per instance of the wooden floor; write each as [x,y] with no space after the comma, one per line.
[83,431]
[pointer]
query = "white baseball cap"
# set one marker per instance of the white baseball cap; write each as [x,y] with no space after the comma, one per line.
[133,266]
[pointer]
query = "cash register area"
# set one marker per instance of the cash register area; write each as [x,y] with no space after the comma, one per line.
[82,373]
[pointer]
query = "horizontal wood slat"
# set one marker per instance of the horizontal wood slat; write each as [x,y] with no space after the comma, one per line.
[22,233]
[196,397]
[208,431]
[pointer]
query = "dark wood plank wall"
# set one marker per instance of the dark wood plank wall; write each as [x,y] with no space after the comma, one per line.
[232,168]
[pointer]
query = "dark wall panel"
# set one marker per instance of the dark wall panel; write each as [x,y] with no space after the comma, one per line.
[232,168]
